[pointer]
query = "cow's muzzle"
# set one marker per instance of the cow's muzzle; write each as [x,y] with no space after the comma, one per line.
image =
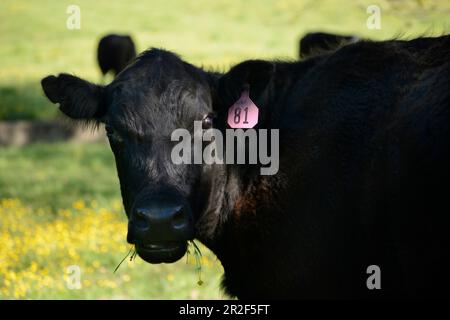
[160,229]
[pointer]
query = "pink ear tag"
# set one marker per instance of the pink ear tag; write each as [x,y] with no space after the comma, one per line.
[243,113]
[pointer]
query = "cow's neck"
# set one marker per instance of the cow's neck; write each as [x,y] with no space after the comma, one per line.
[247,205]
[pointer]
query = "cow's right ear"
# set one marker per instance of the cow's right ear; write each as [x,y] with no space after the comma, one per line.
[252,75]
[77,98]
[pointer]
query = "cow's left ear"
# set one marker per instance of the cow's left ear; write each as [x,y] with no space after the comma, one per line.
[254,75]
[77,98]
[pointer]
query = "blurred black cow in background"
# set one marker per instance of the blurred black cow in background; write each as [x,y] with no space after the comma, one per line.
[316,43]
[114,52]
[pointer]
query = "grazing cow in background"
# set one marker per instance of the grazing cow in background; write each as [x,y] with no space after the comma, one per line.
[115,52]
[317,43]
[363,180]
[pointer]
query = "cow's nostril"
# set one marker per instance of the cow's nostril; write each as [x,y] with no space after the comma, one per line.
[179,219]
[141,219]
[141,224]
[160,221]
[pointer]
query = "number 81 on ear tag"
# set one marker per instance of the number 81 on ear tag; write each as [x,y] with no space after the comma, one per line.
[243,113]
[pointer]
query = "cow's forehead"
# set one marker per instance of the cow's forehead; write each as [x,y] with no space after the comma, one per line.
[160,67]
[175,97]
[158,91]
[150,105]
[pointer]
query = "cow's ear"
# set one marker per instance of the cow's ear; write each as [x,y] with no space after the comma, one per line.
[77,98]
[254,75]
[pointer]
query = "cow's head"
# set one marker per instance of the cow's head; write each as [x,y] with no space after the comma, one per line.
[167,204]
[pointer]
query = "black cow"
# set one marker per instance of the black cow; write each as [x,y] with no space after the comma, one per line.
[364,174]
[316,43]
[115,52]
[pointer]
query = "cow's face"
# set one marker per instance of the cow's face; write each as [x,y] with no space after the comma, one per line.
[145,104]
[141,108]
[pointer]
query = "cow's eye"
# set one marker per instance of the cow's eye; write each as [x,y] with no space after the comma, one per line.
[208,121]
[112,134]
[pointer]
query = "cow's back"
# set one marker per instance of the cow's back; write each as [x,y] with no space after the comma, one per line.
[372,167]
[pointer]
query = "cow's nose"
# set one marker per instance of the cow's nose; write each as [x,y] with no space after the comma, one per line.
[174,217]
[160,221]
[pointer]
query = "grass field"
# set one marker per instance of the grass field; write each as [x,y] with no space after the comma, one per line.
[36,42]
[60,206]
[60,203]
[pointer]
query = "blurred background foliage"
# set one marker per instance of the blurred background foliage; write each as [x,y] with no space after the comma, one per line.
[60,203]
[35,41]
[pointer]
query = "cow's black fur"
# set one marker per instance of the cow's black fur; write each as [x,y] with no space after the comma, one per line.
[114,52]
[317,43]
[364,173]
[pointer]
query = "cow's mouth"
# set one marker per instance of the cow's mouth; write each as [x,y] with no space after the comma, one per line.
[167,252]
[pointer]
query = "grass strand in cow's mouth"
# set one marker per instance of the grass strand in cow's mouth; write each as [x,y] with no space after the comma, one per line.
[133,253]
[198,259]
[192,248]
